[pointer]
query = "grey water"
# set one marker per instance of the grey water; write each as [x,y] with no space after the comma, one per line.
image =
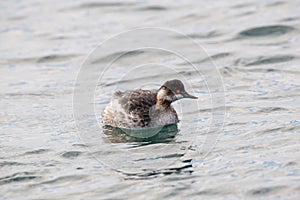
[61,61]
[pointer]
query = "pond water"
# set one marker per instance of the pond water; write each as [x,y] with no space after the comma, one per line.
[61,61]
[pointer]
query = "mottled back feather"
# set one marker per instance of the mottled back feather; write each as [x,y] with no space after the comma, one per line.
[137,103]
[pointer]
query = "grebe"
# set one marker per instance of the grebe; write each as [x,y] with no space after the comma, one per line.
[135,109]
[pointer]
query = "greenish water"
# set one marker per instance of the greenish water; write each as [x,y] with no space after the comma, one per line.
[149,135]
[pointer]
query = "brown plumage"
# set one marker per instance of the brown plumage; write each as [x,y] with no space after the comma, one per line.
[145,108]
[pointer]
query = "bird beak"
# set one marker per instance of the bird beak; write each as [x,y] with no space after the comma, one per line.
[187,95]
[184,95]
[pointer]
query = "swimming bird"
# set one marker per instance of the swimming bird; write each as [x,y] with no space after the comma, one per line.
[135,109]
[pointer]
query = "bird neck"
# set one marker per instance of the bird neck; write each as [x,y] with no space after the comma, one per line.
[162,105]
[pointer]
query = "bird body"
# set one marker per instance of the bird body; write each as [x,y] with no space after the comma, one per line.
[136,109]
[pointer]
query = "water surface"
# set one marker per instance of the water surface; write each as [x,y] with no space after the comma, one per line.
[253,44]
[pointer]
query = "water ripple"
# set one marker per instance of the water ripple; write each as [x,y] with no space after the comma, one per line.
[155,173]
[55,58]
[38,151]
[62,179]
[264,60]
[18,177]
[71,154]
[265,190]
[274,30]
[153,8]
[117,55]
[10,163]
[210,34]
[104,4]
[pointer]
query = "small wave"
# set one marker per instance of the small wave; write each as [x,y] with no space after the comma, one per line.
[277,3]
[289,19]
[153,8]
[271,109]
[265,190]
[25,95]
[266,70]
[71,154]
[117,55]
[18,61]
[291,163]
[245,14]
[219,56]
[63,179]
[281,129]
[209,58]
[104,4]
[38,151]
[18,177]
[243,5]
[80,145]
[227,71]
[212,192]
[55,58]
[10,163]
[274,30]
[210,34]
[175,155]
[94,5]
[263,60]
[187,168]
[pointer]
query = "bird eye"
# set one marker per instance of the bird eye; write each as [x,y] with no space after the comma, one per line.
[163,87]
[177,91]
